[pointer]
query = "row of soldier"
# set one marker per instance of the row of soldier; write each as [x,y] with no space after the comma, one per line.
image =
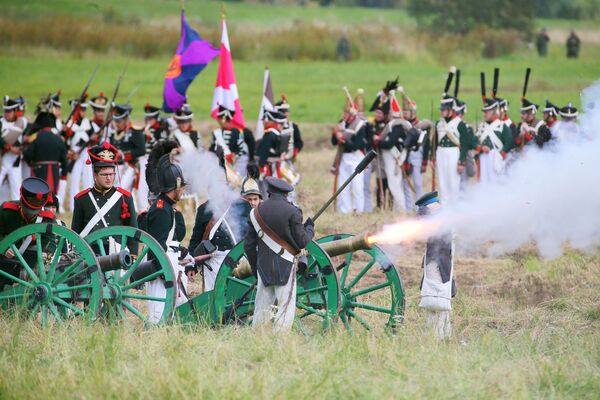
[407,144]
[56,150]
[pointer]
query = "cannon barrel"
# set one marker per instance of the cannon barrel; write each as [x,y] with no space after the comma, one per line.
[111,262]
[145,269]
[347,245]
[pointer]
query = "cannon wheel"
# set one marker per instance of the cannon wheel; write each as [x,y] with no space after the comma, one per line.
[317,292]
[121,295]
[46,288]
[370,296]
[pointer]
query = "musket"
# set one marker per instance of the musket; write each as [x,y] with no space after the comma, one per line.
[82,96]
[433,139]
[131,93]
[108,117]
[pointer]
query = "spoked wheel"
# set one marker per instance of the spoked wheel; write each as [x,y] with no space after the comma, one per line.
[371,288]
[317,292]
[125,293]
[44,280]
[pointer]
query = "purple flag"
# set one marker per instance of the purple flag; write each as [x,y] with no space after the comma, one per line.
[193,54]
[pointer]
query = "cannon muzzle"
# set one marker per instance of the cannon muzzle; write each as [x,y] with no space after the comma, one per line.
[347,245]
[145,269]
[112,262]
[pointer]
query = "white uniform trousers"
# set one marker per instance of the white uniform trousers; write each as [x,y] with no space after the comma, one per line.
[14,175]
[368,199]
[448,177]
[394,179]
[352,197]
[143,190]
[211,269]
[241,165]
[490,166]
[416,159]
[264,307]
[156,288]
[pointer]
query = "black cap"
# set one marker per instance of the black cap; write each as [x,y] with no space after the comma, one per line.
[170,176]
[34,193]
[447,102]
[551,108]
[54,100]
[568,111]
[184,113]
[151,111]
[273,116]
[381,103]
[527,105]
[276,185]
[489,104]
[460,106]
[73,103]
[225,113]
[121,111]
[427,198]
[502,103]
[44,120]
[103,155]
[282,105]
[9,104]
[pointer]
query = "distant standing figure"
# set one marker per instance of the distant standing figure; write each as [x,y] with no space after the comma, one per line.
[542,43]
[343,50]
[573,45]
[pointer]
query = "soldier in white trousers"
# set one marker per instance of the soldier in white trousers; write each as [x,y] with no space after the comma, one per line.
[350,138]
[81,128]
[437,287]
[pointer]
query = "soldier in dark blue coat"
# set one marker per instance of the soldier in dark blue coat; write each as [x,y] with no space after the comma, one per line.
[275,237]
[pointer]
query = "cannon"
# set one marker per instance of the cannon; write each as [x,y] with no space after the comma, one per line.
[348,280]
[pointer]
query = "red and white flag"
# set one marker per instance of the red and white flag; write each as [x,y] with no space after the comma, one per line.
[266,103]
[226,92]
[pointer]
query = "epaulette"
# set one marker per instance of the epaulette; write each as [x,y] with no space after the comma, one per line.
[123,191]
[47,214]
[9,205]
[160,203]
[83,193]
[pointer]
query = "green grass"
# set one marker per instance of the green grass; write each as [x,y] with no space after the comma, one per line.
[313,88]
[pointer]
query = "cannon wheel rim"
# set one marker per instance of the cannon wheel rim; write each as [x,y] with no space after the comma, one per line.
[55,301]
[351,309]
[323,285]
[117,283]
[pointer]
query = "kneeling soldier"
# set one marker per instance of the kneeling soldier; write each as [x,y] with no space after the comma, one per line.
[273,243]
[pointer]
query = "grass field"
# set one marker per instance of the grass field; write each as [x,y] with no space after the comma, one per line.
[523,327]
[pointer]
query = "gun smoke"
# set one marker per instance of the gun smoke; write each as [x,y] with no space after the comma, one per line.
[550,197]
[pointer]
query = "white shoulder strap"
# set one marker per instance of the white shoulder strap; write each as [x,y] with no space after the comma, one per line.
[100,212]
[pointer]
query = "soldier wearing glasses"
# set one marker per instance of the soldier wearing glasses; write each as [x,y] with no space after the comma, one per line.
[103,204]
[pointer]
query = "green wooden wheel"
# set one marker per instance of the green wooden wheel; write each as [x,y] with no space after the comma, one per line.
[372,294]
[46,282]
[123,297]
[317,293]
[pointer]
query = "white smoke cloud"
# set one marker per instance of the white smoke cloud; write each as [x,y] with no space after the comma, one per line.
[207,180]
[550,197]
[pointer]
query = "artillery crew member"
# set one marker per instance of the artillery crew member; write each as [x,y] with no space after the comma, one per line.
[12,127]
[291,129]
[225,231]
[103,204]
[437,286]
[16,214]
[270,152]
[276,236]
[350,137]
[185,134]
[47,154]
[168,231]
[229,140]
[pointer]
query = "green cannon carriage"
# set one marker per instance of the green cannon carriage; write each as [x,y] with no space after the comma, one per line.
[59,275]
